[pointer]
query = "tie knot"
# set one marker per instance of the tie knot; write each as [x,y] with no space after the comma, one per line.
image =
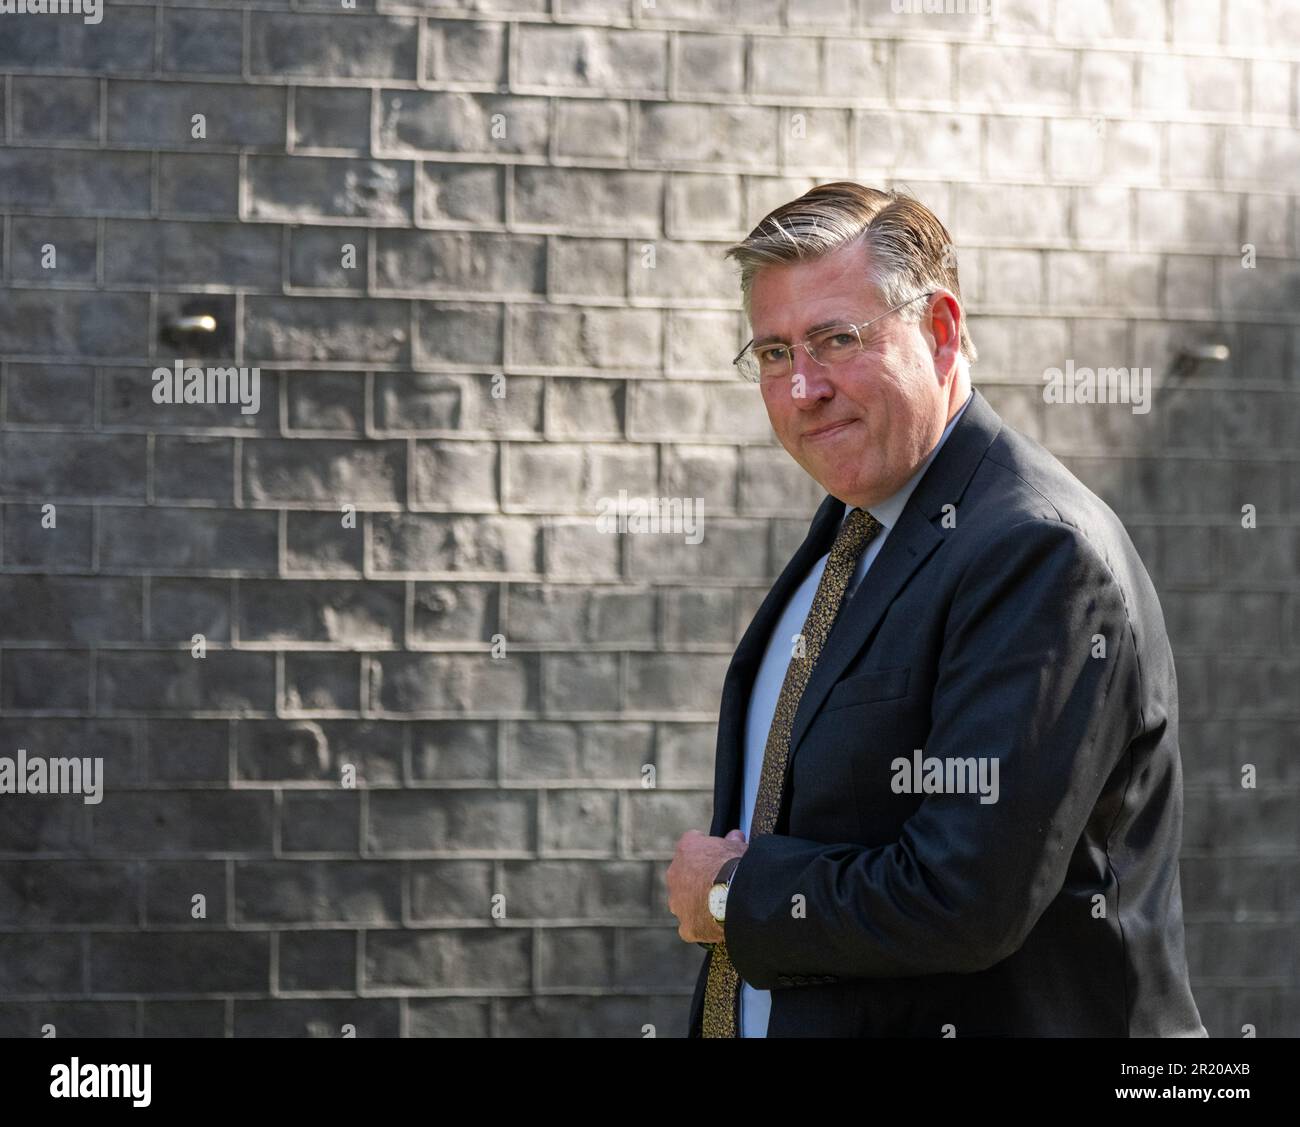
[855,534]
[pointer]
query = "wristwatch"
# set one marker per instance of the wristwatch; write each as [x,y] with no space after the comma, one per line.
[718,893]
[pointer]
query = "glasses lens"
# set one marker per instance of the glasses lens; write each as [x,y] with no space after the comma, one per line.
[773,361]
[833,345]
[748,366]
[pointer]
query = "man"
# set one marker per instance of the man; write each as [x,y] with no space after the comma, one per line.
[948,790]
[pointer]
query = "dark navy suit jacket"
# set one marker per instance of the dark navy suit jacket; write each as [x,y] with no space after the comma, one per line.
[1021,626]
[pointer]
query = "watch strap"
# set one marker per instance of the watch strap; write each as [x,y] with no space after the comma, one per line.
[727,871]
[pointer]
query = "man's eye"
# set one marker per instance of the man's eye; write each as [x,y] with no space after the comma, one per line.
[839,340]
[773,355]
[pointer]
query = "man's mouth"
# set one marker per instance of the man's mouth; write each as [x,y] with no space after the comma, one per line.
[830,430]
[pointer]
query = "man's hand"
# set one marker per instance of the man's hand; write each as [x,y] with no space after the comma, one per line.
[696,862]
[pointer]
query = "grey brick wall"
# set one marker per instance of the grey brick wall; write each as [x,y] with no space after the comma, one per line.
[537,194]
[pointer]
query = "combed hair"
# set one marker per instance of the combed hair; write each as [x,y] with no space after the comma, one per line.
[909,250]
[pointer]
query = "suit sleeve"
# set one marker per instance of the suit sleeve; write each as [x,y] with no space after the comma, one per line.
[967,880]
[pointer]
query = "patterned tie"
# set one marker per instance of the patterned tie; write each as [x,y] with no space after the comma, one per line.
[722,989]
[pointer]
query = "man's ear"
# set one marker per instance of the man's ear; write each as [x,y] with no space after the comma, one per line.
[944,322]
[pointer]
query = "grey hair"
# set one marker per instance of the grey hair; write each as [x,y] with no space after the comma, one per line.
[909,250]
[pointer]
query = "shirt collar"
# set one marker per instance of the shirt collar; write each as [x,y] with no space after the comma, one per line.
[891,508]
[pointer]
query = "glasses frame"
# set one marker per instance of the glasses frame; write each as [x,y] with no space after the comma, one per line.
[804,344]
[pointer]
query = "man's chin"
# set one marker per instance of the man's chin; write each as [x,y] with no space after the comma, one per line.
[837,480]
[851,490]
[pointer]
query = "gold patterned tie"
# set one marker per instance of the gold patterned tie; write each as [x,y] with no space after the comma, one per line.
[722,989]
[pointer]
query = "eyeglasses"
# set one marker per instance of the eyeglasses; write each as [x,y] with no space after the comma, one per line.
[827,347]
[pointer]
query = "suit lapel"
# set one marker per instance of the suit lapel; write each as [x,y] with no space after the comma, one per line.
[744,665]
[908,546]
[910,543]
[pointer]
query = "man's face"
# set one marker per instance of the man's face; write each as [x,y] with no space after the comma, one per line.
[863,427]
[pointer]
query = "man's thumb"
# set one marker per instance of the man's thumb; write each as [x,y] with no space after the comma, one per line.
[735,835]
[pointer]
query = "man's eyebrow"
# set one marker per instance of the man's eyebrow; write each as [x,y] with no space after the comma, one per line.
[773,338]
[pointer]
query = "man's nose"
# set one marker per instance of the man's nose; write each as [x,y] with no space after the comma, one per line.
[808,376]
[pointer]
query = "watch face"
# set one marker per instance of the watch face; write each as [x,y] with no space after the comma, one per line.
[718,901]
